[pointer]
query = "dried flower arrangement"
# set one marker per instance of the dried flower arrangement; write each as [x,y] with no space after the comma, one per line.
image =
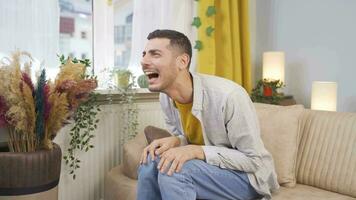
[34,114]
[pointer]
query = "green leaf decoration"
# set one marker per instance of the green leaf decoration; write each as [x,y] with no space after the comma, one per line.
[209,31]
[211,11]
[196,22]
[198,45]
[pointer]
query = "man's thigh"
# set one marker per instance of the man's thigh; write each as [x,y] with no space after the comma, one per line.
[213,182]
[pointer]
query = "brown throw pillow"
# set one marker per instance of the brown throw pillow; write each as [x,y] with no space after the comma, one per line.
[153,133]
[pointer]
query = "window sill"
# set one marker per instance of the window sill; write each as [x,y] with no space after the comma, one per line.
[107,97]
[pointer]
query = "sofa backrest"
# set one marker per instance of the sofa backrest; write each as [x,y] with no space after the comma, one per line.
[326,155]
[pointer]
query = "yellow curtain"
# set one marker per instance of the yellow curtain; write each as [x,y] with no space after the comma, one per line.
[226,53]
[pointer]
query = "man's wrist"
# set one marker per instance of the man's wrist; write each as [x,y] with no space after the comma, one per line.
[199,152]
[178,141]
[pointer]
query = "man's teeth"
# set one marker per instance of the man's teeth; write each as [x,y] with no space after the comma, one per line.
[149,73]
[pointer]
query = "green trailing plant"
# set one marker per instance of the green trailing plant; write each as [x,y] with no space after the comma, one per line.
[85,122]
[259,92]
[128,115]
[128,109]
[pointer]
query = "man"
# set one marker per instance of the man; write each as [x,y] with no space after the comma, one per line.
[215,151]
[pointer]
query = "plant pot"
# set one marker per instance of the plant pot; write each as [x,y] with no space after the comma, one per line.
[267,91]
[31,175]
[123,79]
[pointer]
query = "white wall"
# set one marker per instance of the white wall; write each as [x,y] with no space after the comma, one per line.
[319,39]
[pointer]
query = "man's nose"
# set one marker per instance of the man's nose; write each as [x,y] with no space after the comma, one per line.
[144,62]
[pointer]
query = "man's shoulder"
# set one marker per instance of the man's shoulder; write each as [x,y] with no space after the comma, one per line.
[218,84]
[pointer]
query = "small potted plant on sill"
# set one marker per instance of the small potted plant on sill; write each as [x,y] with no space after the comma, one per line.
[34,114]
[124,78]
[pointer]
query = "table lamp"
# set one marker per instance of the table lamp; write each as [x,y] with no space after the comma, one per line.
[272,71]
[273,66]
[324,96]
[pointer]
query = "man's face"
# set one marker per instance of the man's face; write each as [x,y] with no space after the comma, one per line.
[159,64]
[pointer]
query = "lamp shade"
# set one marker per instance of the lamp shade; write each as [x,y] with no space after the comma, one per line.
[273,65]
[324,96]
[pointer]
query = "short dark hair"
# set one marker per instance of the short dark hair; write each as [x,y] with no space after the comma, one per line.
[177,39]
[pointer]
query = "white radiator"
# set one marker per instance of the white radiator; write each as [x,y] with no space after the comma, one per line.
[107,153]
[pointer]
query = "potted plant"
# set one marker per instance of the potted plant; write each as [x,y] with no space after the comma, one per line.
[124,78]
[34,114]
[266,91]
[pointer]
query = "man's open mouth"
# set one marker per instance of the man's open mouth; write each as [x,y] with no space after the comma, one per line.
[152,75]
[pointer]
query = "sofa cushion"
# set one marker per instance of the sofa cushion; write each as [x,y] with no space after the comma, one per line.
[304,192]
[327,151]
[132,155]
[279,132]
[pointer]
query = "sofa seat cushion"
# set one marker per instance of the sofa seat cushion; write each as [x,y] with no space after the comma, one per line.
[279,132]
[305,192]
[118,186]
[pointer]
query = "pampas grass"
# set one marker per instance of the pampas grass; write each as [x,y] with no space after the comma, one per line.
[31,115]
[40,106]
[35,114]
[58,115]
[70,71]
[18,96]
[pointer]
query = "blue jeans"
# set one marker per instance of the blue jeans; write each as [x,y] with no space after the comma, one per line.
[197,179]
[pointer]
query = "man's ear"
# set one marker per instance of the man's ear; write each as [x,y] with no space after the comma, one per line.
[183,61]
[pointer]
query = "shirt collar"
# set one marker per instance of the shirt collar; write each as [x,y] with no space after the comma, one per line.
[197,92]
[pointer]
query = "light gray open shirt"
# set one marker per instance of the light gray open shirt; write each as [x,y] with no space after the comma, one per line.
[230,129]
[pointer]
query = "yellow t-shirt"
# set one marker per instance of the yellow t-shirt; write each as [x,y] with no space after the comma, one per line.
[191,124]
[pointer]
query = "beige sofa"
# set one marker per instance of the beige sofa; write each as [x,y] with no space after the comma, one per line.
[314,154]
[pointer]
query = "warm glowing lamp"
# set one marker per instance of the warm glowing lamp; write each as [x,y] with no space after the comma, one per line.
[324,96]
[273,65]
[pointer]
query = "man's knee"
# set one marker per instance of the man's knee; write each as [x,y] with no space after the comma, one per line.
[149,168]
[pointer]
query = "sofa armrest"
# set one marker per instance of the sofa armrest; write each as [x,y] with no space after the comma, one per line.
[133,149]
[132,154]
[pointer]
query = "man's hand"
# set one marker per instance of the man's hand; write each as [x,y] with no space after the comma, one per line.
[157,147]
[176,157]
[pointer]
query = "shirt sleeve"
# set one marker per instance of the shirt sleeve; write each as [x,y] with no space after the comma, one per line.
[243,133]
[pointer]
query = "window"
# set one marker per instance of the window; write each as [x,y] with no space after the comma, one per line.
[83,56]
[76,28]
[83,35]
[48,33]
[123,13]
[72,55]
